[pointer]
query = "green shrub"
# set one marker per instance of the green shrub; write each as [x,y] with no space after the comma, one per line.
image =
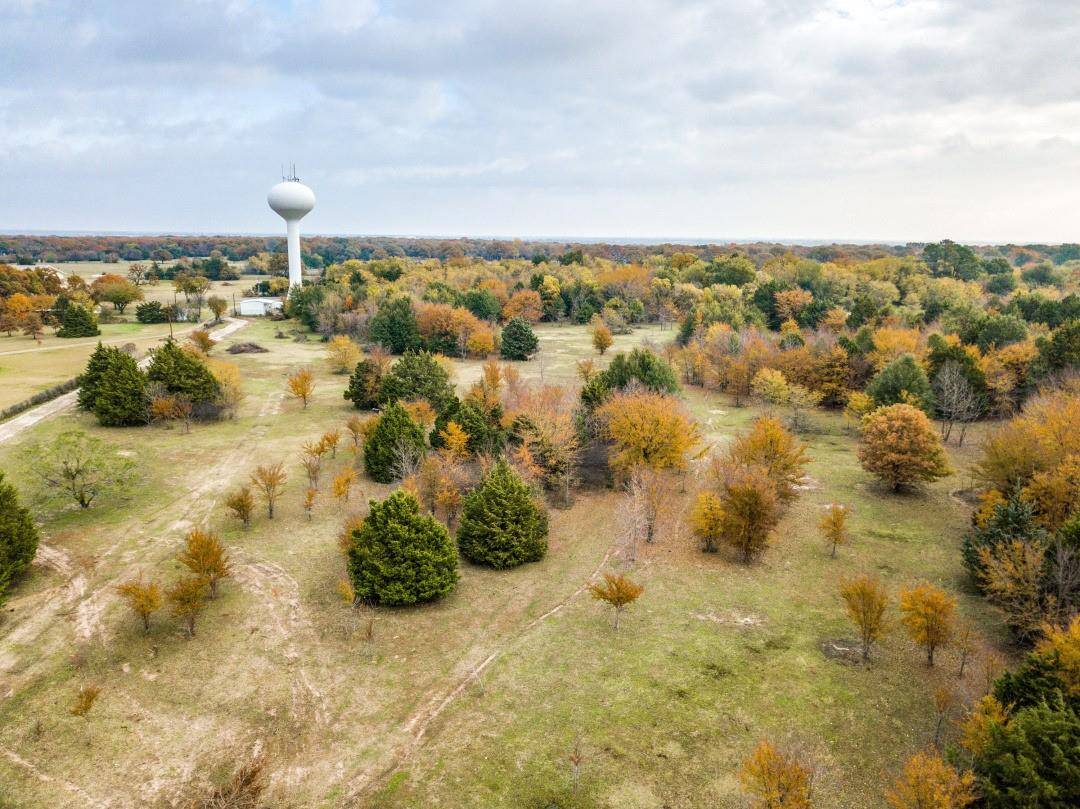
[18,537]
[395,441]
[78,321]
[121,399]
[151,312]
[399,556]
[184,374]
[418,375]
[518,340]
[364,384]
[501,524]
[902,381]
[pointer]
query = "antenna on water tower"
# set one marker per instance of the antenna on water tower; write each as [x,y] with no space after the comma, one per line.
[292,201]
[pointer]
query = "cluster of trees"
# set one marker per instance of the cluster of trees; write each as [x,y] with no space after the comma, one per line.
[180,383]
[1023,549]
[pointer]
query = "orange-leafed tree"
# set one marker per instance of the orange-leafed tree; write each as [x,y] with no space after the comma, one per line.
[187,598]
[205,556]
[269,480]
[776,779]
[901,447]
[342,354]
[343,482]
[865,601]
[525,304]
[616,590]
[648,429]
[143,597]
[833,526]
[707,521]
[749,510]
[601,338]
[301,385]
[928,614]
[242,505]
[929,782]
[769,446]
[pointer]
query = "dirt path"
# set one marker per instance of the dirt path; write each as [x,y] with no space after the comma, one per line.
[417,724]
[24,421]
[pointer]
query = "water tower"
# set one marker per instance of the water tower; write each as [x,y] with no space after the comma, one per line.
[292,201]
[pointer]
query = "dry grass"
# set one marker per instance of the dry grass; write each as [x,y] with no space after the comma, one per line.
[482,698]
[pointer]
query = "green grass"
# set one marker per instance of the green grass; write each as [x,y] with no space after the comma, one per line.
[714,656]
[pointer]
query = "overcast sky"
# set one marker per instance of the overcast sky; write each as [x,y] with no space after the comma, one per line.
[845,119]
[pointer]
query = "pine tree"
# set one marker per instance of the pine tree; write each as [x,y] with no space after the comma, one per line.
[418,375]
[78,321]
[121,399]
[395,440]
[399,556]
[518,340]
[1012,519]
[18,537]
[363,389]
[90,378]
[394,326]
[183,373]
[502,526]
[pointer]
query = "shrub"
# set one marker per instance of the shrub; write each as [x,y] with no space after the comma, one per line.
[418,375]
[151,312]
[184,374]
[394,326]
[900,447]
[502,526]
[18,537]
[364,385]
[518,340]
[78,321]
[902,381]
[395,442]
[121,399]
[399,556]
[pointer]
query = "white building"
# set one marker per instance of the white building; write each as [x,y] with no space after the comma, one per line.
[258,307]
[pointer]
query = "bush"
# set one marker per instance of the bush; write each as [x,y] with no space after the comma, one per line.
[18,537]
[395,443]
[900,446]
[121,399]
[184,374]
[399,556]
[902,381]
[501,524]
[518,340]
[394,326]
[151,312]
[641,366]
[78,321]
[364,384]
[418,375]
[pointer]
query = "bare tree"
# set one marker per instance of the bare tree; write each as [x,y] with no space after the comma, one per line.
[956,400]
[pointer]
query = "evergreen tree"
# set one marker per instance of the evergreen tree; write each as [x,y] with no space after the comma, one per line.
[418,375]
[18,537]
[151,312]
[90,378]
[121,399]
[394,325]
[640,366]
[902,381]
[1032,760]
[501,525]
[395,441]
[364,384]
[1062,349]
[399,556]
[1012,519]
[78,321]
[483,426]
[518,340]
[183,373]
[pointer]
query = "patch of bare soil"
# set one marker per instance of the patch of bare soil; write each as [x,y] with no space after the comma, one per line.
[842,650]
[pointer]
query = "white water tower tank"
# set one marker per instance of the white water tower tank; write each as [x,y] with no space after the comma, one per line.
[292,201]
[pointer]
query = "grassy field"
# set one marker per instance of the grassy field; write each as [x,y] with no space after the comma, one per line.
[481,699]
[25,370]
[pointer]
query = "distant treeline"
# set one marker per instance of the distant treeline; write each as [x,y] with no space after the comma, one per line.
[320,251]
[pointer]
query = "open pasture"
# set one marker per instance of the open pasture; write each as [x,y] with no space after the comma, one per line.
[481,699]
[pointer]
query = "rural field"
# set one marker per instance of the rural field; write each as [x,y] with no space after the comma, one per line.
[26,368]
[513,691]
